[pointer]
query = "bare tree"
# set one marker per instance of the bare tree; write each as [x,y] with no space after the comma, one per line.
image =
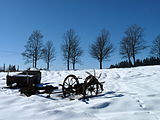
[125,49]
[135,35]
[76,52]
[67,45]
[155,48]
[102,47]
[48,53]
[33,48]
[70,48]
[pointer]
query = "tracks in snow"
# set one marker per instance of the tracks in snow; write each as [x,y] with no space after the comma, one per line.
[120,82]
[143,106]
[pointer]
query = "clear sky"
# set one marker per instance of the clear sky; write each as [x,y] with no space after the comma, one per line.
[18,18]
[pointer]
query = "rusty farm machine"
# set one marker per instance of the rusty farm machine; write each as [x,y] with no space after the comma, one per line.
[29,82]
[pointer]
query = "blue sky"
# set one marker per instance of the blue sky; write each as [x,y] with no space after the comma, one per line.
[53,17]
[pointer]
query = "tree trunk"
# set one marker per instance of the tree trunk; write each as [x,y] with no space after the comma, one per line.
[134,60]
[73,66]
[4,68]
[47,65]
[33,62]
[129,59]
[100,63]
[68,64]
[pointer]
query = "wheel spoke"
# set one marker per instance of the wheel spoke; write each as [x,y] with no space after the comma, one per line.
[94,91]
[73,82]
[66,83]
[91,89]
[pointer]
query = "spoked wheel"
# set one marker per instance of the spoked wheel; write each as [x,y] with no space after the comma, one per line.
[90,87]
[100,88]
[70,84]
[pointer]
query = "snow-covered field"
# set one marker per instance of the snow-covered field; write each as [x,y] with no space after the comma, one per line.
[129,94]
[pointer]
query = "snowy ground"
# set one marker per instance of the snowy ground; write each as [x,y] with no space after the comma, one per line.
[130,94]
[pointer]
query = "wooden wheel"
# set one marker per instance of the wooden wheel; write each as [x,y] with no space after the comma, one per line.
[70,85]
[90,87]
[100,88]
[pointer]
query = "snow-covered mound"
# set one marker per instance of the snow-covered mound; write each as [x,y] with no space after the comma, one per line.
[129,94]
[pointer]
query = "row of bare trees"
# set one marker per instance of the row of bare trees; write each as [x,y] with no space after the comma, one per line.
[133,43]
[101,49]
[35,50]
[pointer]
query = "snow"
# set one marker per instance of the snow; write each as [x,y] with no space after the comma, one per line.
[33,69]
[20,75]
[129,94]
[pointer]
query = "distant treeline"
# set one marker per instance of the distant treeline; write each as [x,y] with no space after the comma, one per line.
[10,68]
[144,62]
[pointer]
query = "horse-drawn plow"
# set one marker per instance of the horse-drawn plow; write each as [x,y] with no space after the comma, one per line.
[29,84]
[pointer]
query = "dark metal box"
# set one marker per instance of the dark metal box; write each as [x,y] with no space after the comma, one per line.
[24,79]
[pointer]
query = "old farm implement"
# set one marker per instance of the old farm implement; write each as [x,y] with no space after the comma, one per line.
[29,83]
[90,87]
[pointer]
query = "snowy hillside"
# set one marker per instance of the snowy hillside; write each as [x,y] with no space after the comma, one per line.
[129,94]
